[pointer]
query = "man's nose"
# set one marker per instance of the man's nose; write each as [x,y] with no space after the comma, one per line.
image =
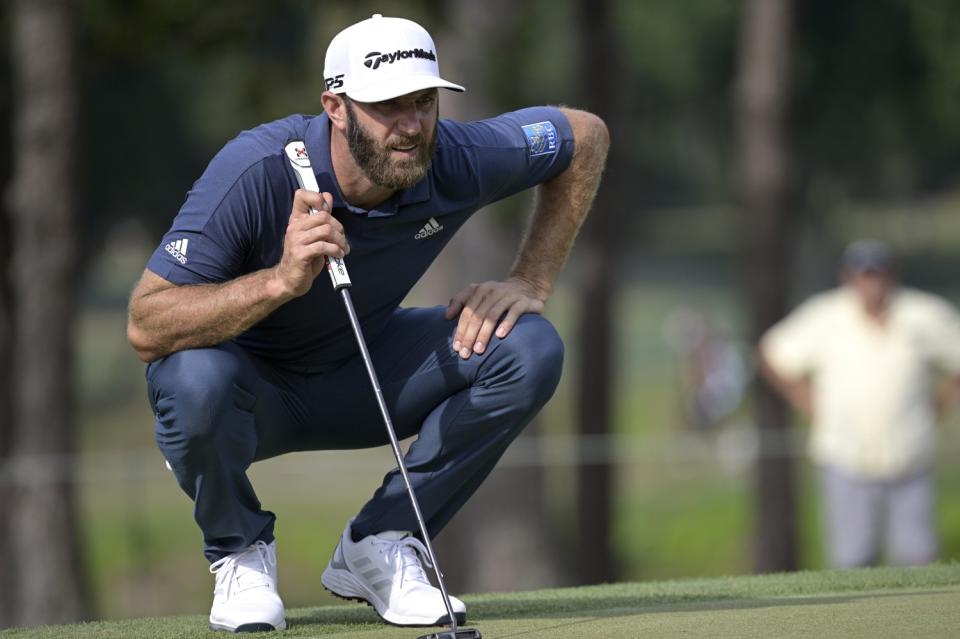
[408,122]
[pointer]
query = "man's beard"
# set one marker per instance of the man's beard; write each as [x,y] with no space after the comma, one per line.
[375,161]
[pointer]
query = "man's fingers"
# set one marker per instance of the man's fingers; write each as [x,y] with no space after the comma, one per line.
[308,228]
[305,201]
[458,301]
[489,323]
[327,201]
[313,228]
[314,220]
[318,249]
[326,233]
[321,249]
[481,306]
[453,308]
[317,201]
[513,314]
[460,342]
[474,297]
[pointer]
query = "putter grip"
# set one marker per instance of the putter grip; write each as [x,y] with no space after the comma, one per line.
[297,154]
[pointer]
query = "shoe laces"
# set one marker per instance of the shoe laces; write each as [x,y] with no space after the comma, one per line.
[252,566]
[405,554]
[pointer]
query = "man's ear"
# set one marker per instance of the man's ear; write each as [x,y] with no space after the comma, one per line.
[336,109]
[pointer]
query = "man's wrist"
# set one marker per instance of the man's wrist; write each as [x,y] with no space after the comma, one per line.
[540,288]
[276,287]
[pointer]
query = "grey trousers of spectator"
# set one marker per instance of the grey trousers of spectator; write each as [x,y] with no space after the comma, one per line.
[220,409]
[869,520]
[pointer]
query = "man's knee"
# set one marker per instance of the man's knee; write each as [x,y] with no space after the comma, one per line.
[533,351]
[192,389]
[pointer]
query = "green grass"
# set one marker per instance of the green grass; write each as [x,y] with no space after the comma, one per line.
[879,602]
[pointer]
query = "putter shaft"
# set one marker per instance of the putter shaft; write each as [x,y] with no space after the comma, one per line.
[368,362]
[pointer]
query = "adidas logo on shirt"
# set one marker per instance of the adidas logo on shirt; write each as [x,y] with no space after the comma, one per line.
[178,250]
[431,227]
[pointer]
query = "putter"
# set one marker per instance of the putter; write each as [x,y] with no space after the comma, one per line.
[300,161]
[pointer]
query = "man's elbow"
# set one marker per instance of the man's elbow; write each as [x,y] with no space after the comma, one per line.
[590,131]
[141,343]
[599,132]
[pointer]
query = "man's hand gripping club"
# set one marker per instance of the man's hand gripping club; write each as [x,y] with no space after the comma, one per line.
[312,236]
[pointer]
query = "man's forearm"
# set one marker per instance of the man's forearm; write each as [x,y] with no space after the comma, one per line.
[175,318]
[562,205]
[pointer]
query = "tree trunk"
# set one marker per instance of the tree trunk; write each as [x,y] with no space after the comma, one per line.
[6,493]
[44,535]
[6,342]
[600,70]
[763,164]
[6,379]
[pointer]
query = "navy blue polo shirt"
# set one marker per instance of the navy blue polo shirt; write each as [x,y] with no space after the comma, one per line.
[235,217]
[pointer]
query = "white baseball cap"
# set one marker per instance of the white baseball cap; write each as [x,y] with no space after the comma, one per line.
[382,58]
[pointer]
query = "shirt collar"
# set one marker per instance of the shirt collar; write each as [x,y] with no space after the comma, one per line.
[317,141]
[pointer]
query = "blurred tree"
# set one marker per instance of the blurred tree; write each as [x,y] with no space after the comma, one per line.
[47,576]
[875,100]
[6,344]
[6,427]
[601,69]
[763,159]
[677,58]
[165,85]
[877,122]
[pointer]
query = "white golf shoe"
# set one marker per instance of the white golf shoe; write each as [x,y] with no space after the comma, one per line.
[245,598]
[385,571]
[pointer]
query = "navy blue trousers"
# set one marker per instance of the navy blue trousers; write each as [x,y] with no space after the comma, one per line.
[220,409]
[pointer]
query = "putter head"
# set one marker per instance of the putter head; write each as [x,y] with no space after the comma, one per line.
[459,633]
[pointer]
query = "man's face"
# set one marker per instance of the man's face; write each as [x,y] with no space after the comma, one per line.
[873,287]
[392,141]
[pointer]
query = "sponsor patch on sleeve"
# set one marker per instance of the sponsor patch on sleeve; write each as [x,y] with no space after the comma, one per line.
[541,138]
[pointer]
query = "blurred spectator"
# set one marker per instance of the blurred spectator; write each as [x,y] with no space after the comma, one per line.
[713,374]
[861,362]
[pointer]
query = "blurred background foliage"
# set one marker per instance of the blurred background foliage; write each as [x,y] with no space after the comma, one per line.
[873,136]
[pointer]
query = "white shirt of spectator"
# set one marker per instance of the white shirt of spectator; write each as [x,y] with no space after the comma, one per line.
[872,384]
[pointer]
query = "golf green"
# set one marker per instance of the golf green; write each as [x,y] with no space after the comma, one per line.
[882,602]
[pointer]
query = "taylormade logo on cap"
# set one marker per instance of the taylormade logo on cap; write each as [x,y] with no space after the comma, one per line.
[374,58]
[383,58]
